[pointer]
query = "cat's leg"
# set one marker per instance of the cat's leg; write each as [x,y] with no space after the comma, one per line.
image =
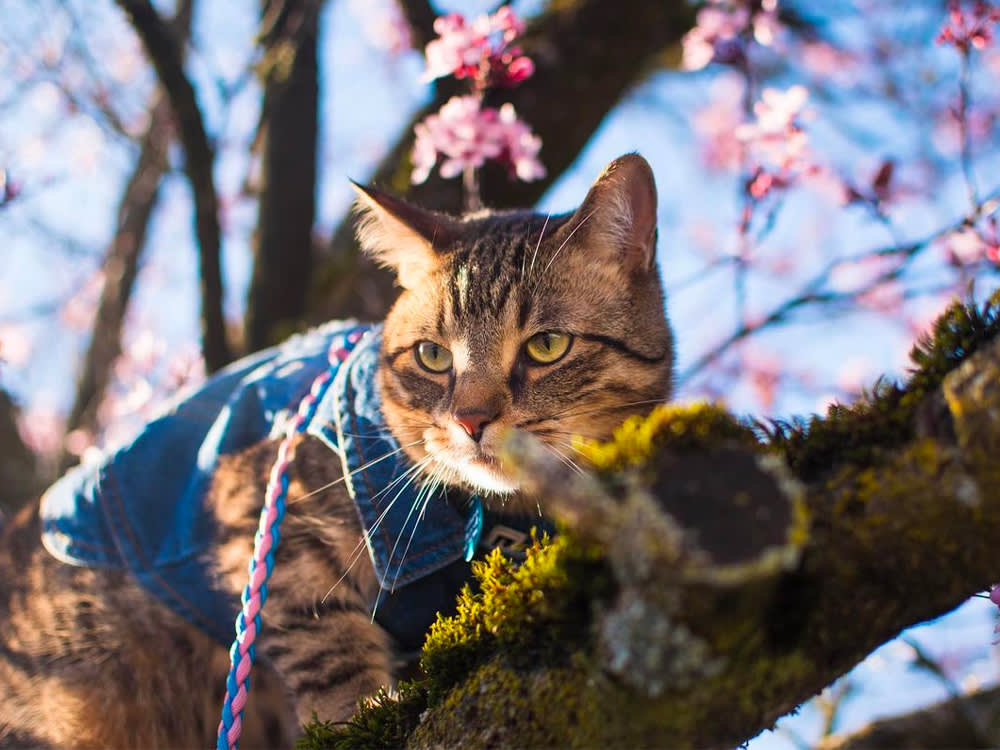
[317,626]
[329,658]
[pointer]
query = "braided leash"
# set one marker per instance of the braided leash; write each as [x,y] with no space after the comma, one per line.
[248,623]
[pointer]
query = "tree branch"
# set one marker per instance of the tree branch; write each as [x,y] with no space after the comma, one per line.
[570,44]
[283,250]
[707,581]
[166,54]
[121,262]
[968,721]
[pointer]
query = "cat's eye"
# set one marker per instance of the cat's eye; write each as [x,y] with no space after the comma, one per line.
[433,357]
[548,347]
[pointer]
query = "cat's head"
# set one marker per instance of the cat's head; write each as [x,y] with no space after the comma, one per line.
[550,324]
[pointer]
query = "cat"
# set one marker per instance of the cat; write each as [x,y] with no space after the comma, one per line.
[507,320]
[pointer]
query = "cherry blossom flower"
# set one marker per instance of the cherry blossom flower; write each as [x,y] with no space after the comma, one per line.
[776,142]
[41,429]
[970,244]
[480,50]
[15,345]
[520,146]
[718,121]
[972,28]
[466,135]
[723,28]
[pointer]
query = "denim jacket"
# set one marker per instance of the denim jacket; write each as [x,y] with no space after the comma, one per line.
[143,510]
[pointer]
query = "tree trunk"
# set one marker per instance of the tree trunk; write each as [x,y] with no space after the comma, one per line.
[287,207]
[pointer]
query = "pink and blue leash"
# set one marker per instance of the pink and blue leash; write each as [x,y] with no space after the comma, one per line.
[248,622]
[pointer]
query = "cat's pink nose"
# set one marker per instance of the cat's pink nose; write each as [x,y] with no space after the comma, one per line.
[473,422]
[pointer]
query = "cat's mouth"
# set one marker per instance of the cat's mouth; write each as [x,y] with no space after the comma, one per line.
[473,465]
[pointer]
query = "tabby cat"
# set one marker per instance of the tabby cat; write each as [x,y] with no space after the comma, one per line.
[550,324]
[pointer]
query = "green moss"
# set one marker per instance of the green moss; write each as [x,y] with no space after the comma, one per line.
[530,613]
[383,721]
[667,427]
[866,432]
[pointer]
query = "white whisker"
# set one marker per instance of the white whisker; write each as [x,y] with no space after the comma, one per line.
[568,238]
[411,473]
[535,254]
[344,478]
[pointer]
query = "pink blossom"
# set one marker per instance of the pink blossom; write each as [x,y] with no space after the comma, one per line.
[481,50]
[466,134]
[714,36]
[721,28]
[462,132]
[185,368]
[854,374]
[15,345]
[387,30]
[458,49]
[521,146]
[41,429]
[717,124]
[969,29]
[776,137]
[78,441]
[763,371]
[971,244]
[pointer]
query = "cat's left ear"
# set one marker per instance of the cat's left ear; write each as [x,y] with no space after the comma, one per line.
[400,236]
[618,215]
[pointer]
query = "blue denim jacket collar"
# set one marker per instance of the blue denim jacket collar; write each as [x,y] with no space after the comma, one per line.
[142,509]
[409,530]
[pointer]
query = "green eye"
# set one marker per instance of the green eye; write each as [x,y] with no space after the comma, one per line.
[433,357]
[548,347]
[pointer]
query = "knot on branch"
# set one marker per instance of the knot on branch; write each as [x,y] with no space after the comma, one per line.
[686,506]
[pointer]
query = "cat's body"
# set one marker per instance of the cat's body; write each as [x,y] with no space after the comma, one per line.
[553,325]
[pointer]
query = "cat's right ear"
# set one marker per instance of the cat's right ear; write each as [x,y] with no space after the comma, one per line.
[400,236]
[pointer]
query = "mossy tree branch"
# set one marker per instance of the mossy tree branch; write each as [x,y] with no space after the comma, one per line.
[709,580]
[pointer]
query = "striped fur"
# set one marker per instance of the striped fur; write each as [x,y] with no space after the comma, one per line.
[89,660]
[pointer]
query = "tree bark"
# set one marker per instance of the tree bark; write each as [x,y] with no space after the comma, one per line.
[165,51]
[707,581]
[967,721]
[588,54]
[20,475]
[283,250]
